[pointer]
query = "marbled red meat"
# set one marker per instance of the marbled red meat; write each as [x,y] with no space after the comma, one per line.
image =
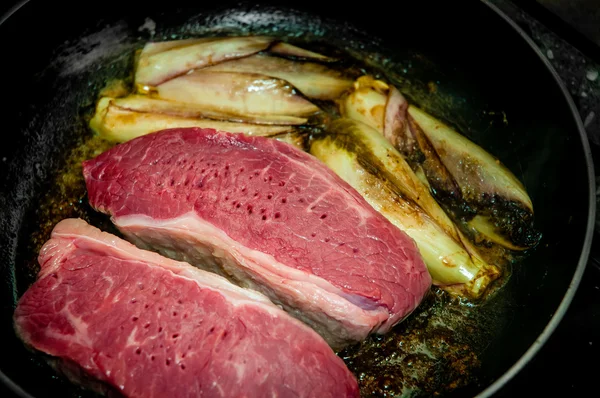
[148,326]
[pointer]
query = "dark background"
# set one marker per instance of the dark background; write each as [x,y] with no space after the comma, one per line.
[568,33]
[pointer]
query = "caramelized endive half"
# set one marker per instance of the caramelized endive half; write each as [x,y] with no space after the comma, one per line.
[159,62]
[361,156]
[119,124]
[483,197]
[144,103]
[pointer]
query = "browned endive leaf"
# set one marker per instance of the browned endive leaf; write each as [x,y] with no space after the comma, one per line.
[394,126]
[415,145]
[118,124]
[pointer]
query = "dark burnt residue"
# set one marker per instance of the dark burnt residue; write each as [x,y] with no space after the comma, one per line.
[433,352]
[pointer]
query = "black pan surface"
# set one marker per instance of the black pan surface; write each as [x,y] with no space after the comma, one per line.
[53,64]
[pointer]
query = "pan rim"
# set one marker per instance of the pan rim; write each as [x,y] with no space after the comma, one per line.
[565,303]
[589,232]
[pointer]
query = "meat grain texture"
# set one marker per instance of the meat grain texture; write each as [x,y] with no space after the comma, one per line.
[268,216]
[147,326]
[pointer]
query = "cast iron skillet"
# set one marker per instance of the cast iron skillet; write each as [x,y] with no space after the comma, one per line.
[55,55]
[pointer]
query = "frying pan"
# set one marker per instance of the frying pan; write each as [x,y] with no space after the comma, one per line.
[55,57]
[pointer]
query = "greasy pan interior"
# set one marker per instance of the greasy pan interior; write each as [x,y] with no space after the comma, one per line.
[501,94]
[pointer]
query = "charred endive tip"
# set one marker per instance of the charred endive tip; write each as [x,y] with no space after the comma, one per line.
[504,210]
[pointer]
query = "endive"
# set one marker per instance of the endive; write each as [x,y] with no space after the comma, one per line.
[361,156]
[483,196]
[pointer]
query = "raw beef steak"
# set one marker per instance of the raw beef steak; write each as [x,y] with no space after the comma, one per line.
[268,216]
[147,326]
